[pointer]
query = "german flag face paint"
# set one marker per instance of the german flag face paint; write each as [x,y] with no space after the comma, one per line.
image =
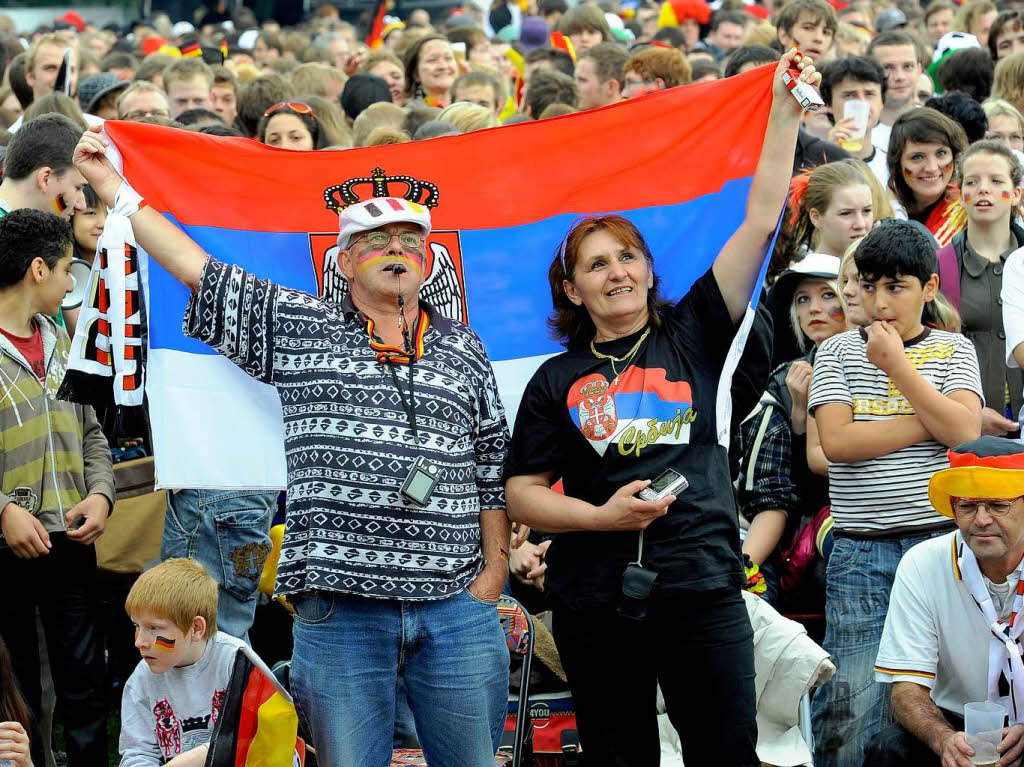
[1005,195]
[59,206]
[164,644]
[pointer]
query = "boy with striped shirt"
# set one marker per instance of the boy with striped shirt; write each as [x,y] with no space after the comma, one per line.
[887,400]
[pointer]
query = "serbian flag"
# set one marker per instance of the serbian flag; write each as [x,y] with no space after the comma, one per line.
[257,725]
[679,163]
[375,36]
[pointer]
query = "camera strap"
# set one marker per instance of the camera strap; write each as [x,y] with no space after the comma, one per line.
[410,406]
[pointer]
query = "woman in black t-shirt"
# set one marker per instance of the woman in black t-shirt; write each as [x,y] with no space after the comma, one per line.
[635,394]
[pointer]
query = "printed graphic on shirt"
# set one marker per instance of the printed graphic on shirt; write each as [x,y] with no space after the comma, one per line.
[895,403]
[642,409]
[216,704]
[167,727]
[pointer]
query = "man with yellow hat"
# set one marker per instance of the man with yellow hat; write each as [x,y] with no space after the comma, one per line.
[953,631]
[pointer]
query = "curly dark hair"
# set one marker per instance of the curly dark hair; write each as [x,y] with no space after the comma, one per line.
[27,234]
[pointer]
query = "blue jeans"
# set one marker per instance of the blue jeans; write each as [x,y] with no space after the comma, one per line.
[350,651]
[852,707]
[226,531]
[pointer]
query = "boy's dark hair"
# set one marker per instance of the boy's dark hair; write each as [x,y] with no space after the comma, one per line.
[727,17]
[749,54]
[701,68]
[547,7]
[1010,20]
[92,200]
[192,116]
[609,58]
[896,248]
[817,10]
[27,234]
[561,60]
[220,130]
[959,106]
[859,68]
[118,60]
[548,87]
[894,37]
[259,95]
[48,141]
[970,70]
[674,36]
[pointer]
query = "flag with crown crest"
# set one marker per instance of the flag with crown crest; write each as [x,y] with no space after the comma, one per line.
[678,163]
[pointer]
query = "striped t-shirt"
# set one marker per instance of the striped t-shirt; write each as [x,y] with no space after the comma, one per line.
[888,494]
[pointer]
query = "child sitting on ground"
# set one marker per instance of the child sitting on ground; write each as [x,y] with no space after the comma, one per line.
[172,700]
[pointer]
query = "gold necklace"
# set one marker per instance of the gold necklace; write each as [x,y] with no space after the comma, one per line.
[627,357]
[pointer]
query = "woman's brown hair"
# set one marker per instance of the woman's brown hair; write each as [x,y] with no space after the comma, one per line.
[12,705]
[412,61]
[922,126]
[570,324]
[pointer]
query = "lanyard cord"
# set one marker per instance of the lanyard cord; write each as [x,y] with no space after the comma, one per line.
[410,406]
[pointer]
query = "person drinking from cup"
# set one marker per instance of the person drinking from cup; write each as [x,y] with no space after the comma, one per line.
[853,89]
[940,649]
[674,613]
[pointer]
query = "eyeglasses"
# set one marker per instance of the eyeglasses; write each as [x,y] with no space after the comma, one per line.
[140,114]
[294,106]
[968,507]
[379,240]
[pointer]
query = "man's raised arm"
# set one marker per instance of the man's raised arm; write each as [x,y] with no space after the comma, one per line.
[162,240]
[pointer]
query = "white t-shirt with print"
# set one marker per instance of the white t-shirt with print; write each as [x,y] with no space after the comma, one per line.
[888,494]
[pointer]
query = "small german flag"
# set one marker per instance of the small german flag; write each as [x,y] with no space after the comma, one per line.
[165,644]
[375,35]
[563,43]
[257,725]
[191,51]
[224,48]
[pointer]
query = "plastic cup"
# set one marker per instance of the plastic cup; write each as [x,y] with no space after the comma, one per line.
[983,728]
[859,111]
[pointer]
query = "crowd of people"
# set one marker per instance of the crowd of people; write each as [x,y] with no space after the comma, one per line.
[874,475]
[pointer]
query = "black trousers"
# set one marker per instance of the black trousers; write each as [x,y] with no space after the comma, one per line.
[894,746]
[698,647]
[62,584]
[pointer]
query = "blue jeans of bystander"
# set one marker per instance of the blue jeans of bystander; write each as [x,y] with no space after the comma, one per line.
[227,531]
[350,651]
[848,710]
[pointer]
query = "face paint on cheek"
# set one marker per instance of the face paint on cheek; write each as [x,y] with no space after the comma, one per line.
[837,313]
[59,206]
[165,644]
[1005,195]
[908,173]
[967,197]
[375,261]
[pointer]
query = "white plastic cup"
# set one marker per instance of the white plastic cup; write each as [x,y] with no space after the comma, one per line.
[859,111]
[983,728]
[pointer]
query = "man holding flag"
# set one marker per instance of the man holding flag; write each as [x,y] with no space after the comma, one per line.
[394,552]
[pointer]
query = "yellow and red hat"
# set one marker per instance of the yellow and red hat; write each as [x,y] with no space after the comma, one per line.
[989,467]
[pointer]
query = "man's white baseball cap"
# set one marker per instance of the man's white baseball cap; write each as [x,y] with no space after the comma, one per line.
[377,212]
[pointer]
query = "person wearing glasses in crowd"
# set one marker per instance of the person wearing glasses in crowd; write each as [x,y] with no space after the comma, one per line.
[291,125]
[395,438]
[939,650]
[652,70]
[142,99]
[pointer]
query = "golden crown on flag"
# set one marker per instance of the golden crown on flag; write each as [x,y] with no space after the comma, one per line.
[340,196]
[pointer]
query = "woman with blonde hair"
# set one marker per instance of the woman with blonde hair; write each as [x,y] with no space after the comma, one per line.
[1008,82]
[1005,123]
[976,18]
[469,117]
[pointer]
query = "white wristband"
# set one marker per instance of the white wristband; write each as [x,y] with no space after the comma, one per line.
[127,201]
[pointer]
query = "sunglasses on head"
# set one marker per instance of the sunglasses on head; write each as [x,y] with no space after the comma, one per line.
[294,106]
